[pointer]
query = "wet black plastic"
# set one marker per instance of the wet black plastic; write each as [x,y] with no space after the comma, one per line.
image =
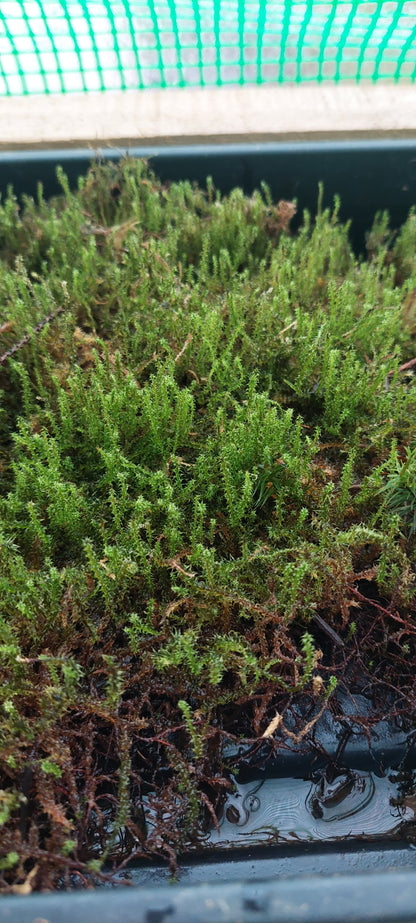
[326,882]
[380,898]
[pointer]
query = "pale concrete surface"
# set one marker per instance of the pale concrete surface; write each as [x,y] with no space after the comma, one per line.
[267,112]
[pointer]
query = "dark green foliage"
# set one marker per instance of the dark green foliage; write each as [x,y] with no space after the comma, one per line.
[208,444]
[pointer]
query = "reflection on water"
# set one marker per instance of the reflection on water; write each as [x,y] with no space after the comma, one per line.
[354,804]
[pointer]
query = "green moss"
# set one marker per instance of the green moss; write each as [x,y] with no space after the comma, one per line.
[208,475]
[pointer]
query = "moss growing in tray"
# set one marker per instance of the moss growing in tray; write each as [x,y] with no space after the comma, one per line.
[208,504]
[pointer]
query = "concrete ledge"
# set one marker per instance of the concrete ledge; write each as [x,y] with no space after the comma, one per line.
[220,114]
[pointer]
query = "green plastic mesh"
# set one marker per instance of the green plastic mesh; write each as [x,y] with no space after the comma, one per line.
[58,46]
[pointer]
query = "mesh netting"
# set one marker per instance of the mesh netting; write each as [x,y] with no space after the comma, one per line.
[47,46]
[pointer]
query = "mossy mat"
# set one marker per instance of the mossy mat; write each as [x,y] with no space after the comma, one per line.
[208,505]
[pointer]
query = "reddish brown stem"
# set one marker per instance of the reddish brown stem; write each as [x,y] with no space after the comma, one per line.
[391,615]
[16,346]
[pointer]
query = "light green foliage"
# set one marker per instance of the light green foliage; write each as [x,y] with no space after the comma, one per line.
[51,769]
[400,487]
[404,250]
[225,652]
[10,860]
[9,802]
[196,739]
[211,444]
[166,417]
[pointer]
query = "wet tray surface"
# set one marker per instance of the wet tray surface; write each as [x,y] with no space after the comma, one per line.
[353,804]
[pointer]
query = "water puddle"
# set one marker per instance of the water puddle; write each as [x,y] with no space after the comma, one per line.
[352,804]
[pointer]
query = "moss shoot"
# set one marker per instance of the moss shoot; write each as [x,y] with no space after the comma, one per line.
[207,507]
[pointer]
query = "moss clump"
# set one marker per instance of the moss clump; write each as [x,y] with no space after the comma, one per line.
[208,502]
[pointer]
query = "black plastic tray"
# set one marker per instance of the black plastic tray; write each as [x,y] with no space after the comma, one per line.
[380,897]
[369,176]
[325,882]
